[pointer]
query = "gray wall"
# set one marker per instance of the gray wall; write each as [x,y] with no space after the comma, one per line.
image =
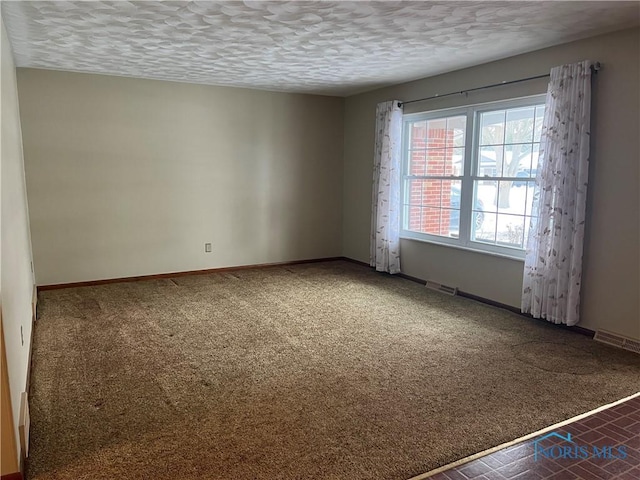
[131,177]
[611,261]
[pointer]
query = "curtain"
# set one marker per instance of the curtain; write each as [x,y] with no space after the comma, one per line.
[385,211]
[553,262]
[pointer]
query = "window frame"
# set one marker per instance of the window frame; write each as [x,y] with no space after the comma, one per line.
[467,179]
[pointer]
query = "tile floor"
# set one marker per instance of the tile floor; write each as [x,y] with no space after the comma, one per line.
[549,457]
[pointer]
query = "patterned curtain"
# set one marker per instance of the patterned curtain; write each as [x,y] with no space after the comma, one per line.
[385,211]
[553,264]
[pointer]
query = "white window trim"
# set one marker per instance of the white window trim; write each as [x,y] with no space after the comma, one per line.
[472,113]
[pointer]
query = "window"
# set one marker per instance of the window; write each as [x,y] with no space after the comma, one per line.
[468,175]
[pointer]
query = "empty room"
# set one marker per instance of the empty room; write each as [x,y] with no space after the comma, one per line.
[353,240]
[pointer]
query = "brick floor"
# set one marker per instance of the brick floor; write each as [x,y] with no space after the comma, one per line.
[617,427]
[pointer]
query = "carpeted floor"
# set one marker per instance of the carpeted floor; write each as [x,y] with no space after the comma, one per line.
[324,371]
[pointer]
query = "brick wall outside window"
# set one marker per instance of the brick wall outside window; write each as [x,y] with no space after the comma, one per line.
[432,154]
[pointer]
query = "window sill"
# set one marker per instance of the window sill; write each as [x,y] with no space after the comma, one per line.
[464,247]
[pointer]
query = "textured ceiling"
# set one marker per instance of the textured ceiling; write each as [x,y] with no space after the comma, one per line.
[336,48]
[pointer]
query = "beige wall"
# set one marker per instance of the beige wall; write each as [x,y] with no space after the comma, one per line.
[611,283]
[16,278]
[131,177]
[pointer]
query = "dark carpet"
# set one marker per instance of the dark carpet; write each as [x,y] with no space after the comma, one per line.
[324,371]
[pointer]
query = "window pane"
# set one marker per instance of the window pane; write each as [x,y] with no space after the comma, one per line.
[436,131]
[510,202]
[436,161]
[535,153]
[483,224]
[413,215]
[538,123]
[413,192]
[450,193]
[458,128]
[456,167]
[477,222]
[517,160]
[418,134]
[492,128]
[417,162]
[530,193]
[485,195]
[510,231]
[430,222]
[432,193]
[424,214]
[488,165]
[450,223]
[445,139]
[519,125]
[485,230]
[429,193]
[526,189]
[512,197]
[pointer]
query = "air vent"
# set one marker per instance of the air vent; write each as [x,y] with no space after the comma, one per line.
[441,288]
[617,341]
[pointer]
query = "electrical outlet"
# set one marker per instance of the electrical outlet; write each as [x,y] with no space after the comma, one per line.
[207,248]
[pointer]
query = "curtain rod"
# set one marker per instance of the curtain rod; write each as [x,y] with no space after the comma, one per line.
[594,68]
